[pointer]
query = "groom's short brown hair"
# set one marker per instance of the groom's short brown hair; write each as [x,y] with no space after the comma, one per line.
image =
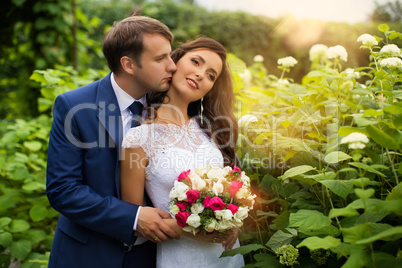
[125,38]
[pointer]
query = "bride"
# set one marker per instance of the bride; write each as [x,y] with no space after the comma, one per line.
[191,126]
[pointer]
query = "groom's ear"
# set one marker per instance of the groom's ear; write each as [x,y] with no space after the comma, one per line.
[128,64]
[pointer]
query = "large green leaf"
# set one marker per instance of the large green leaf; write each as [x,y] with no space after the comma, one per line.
[364,193]
[366,168]
[17,226]
[343,212]
[382,138]
[292,172]
[266,260]
[242,250]
[339,187]
[281,238]
[4,221]
[314,242]
[308,219]
[336,157]
[5,239]
[394,232]
[358,258]
[38,212]
[20,249]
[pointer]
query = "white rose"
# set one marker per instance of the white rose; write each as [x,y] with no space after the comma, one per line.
[190,229]
[197,183]
[215,173]
[179,191]
[218,214]
[194,220]
[241,193]
[174,209]
[217,188]
[237,223]
[244,178]
[211,226]
[226,170]
[225,225]
[251,198]
[227,215]
[241,214]
[201,171]
[197,208]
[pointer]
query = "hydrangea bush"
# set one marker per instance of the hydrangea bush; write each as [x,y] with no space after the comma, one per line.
[324,156]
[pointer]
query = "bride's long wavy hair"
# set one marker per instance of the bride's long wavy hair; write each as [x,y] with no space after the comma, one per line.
[218,120]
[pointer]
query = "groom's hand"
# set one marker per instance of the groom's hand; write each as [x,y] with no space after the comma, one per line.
[151,225]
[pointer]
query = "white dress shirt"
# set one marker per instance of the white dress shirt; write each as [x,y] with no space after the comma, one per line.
[125,100]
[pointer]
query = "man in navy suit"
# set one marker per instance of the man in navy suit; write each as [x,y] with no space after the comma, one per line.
[96,228]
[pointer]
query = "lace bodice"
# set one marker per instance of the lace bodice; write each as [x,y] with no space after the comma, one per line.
[172,149]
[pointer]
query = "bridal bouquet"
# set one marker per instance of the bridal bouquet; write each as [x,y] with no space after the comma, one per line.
[211,199]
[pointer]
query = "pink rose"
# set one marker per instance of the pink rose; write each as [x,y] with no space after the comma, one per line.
[216,203]
[236,168]
[181,218]
[192,196]
[183,177]
[206,202]
[233,208]
[183,205]
[234,187]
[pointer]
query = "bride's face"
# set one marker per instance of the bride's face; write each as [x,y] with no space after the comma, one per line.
[196,73]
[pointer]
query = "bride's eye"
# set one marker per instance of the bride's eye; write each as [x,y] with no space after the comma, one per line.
[196,62]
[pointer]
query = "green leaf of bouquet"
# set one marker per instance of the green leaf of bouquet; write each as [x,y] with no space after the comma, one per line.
[308,219]
[339,187]
[281,238]
[364,193]
[382,138]
[20,249]
[5,239]
[17,226]
[315,242]
[336,157]
[292,172]
[383,28]
[242,250]
[393,233]
[343,212]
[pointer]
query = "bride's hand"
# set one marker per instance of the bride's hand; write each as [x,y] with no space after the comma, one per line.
[231,240]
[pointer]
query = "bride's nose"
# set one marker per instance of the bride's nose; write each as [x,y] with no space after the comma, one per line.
[199,76]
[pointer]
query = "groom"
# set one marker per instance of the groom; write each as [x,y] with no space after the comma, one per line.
[96,228]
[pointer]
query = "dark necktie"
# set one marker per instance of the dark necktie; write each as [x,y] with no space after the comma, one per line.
[136,109]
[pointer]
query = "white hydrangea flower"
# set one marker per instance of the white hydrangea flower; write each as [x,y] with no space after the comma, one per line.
[246,76]
[367,39]
[283,81]
[337,51]
[246,119]
[392,62]
[355,140]
[391,50]
[258,58]
[351,73]
[287,61]
[317,52]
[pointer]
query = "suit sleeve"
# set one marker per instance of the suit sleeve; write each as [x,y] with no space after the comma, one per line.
[68,191]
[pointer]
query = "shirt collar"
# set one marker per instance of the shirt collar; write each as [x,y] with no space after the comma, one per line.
[123,98]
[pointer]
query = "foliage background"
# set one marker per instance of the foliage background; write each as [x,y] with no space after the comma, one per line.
[62,41]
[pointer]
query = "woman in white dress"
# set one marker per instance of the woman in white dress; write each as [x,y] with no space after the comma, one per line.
[190,126]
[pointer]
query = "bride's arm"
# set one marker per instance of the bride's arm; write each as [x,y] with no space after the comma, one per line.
[150,222]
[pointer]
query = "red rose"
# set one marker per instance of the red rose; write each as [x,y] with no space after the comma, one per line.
[216,203]
[233,208]
[192,196]
[234,187]
[206,202]
[236,168]
[183,205]
[181,218]
[183,177]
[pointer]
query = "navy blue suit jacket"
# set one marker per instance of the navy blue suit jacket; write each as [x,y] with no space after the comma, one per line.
[83,179]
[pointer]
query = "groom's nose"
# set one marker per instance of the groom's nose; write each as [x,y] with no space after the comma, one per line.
[171,66]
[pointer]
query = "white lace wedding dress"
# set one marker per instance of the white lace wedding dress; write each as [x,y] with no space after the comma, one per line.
[171,150]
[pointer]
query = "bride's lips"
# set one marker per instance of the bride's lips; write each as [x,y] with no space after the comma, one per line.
[192,83]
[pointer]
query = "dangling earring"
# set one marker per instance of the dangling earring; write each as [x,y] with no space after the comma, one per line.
[202,109]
